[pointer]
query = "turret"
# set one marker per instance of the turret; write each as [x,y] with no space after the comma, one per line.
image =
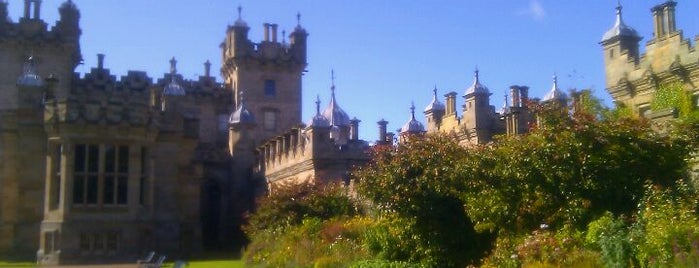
[339,120]
[237,43]
[69,24]
[241,123]
[477,110]
[412,127]
[434,112]
[555,95]
[297,40]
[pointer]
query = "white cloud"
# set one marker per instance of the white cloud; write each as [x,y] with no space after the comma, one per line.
[535,10]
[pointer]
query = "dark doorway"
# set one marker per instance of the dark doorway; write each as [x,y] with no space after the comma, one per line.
[210,214]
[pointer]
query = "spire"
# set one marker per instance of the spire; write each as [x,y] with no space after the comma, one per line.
[333,113]
[318,104]
[298,23]
[240,22]
[412,110]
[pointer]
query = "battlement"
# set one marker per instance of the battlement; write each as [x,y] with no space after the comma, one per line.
[238,48]
[307,151]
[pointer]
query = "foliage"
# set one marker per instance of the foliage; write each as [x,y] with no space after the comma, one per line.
[313,243]
[666,233]
[610,236]
[291,204]
[413,187]
[673,96]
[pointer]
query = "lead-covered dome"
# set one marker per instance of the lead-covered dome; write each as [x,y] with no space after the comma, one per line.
[29,76]
[318,120]
[412,126]
[555,93]
[435,105]
[242,115]
[477,87]
[620,29]
[333,113]
[173,88]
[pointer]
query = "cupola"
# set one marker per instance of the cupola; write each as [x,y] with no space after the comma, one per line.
[620,29]
[29,76]
[555,94]
[333,113]
[412,126]
[477,87]
[173,88]
[242,115]
[435,105]
[319,120]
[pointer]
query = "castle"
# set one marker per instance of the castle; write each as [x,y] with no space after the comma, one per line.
[634,78]
[95,168]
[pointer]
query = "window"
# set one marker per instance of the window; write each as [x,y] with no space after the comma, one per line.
[270,88]
[142,180]
[100,174]
[223,123]
[55,186]
[99,242]
[270,120]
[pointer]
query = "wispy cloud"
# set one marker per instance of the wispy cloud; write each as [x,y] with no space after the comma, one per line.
[535,10]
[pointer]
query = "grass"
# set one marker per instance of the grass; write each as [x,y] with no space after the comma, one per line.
[217,264]
[192,264]
[6,264]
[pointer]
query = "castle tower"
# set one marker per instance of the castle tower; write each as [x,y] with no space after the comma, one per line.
[477,117]
[621,48]
[270,72]
[30,51]
[434,113]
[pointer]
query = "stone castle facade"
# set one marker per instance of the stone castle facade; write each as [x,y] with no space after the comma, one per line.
[95,168]
[633,77]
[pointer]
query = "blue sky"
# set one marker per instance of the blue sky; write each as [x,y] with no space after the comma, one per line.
[386,53]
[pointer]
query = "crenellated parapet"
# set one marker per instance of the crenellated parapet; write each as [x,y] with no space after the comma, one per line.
[309,154]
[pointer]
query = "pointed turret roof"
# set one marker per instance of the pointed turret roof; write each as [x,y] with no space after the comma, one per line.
[242,115]
[477,87]
[435,105]
[319,120]
[555,93]
[620,29]
[29,76]
[412,126]
[333,113]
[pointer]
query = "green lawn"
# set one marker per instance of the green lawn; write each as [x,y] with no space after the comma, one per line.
[192,264]
[217,264]
[5,264]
